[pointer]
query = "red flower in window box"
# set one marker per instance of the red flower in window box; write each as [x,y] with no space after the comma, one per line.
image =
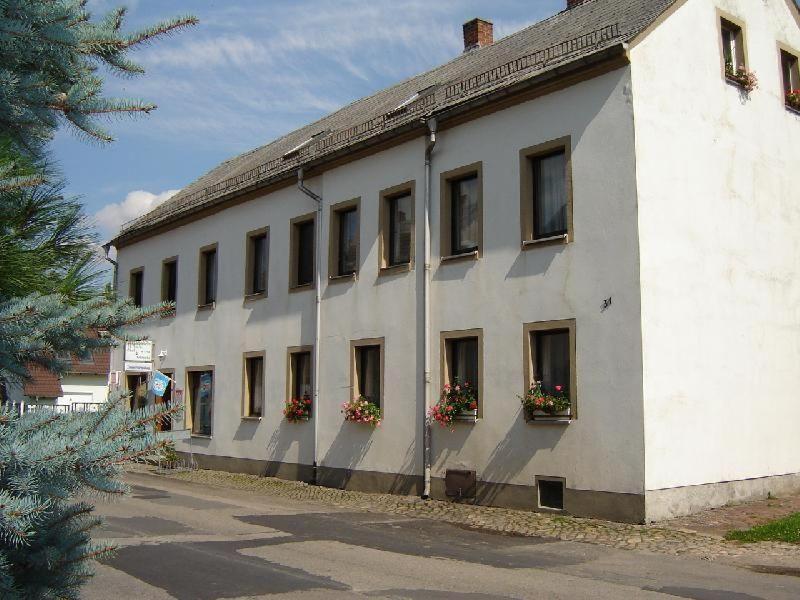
[453,402]
[298,409]
[538,403]
[361,410]
[745,79]
[793,99]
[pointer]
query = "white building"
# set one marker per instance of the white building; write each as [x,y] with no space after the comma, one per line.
[609,210]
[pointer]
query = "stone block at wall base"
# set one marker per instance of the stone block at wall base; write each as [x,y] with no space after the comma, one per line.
[680,501]
[610,506]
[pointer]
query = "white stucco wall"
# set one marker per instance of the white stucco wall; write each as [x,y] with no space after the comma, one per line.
[601,450]
[719,214]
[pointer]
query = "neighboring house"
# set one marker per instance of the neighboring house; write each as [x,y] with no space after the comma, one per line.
[83,387]
[595,202]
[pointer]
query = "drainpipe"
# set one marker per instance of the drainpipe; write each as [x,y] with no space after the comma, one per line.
[115,267]
[317,313]
[426,295]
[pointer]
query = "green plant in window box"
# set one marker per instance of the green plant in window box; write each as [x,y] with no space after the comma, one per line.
[361,410]
[456,400]
[541,405]
[745,79]
[793,99]
[298,409]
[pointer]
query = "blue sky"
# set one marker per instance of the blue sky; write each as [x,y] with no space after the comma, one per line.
[250,72]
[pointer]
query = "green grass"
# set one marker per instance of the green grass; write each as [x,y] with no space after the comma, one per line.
[782,530]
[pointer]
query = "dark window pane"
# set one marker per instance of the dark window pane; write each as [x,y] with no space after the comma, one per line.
[136,287]
[202,399]
[301,374]
[465,215]
[464,362]
[255,385]
[305,252]
[348,241]
[550,195]
[369,373]
[552,360]
[210,273]
[401,225]
[170,281]
[260,257]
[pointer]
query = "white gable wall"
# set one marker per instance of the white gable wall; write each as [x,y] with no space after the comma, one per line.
[719,215]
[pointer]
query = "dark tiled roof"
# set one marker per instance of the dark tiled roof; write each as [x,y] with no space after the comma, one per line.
[99,364]
[567,37]
[42,383]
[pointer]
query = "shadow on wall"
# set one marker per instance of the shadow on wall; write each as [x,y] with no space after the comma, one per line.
[246,430]
[345,453]
[514,452]
[535,263]
[279,443]
[402,483]
[447,443]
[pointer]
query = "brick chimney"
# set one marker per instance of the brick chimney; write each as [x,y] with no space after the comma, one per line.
[574,3]
[477,34]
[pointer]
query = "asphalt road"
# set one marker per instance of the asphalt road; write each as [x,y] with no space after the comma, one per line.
[183,541]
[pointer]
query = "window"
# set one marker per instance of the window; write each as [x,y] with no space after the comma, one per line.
[367,370]
[462,360]
[733,51]
[253,384]
[201,400]
[551,492]
[169,280]
[302,252]
[299,376]
[396,238]
[790,68]
[550,356]
[257,265]
[464,214]
[546,193]
[207,293]
[462,200]
[136,283]
[344,239]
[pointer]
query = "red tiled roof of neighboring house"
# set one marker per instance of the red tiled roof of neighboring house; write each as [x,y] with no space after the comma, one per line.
[42,383]
[98,364]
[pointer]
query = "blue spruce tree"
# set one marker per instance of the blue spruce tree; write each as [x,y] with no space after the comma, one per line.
[51,302]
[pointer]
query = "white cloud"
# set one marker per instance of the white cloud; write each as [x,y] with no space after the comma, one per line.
[112,216]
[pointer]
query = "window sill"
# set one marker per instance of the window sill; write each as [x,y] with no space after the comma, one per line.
[548,241]
[211,306]
[342,278]
[737,84]
[301,288]
[474,255]
[169,315]
[248,418]
[395,269]
[201,436]
[470,416]
[256,296]
[793,110]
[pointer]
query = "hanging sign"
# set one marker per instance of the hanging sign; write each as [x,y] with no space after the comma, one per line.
[141,351]
[158,383]
[138,367]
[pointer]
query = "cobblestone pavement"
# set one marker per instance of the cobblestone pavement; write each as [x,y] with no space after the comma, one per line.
[649,538]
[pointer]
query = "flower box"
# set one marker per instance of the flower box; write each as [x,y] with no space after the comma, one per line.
[541,405]
[297,409]
[361,410]
[747,80]
[555,417]
[467,416]
[458,403]
[793,99]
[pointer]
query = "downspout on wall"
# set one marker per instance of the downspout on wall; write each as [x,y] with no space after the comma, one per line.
[426,299]
[317,314]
